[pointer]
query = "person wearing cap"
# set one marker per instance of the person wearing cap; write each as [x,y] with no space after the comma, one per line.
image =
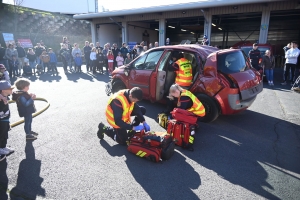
[205,40]
[4,75]
[5,91]
[254,55]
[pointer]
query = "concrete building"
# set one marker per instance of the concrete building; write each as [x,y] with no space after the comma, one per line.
[225,22]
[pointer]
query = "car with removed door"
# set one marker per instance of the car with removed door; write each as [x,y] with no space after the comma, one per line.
[223,80]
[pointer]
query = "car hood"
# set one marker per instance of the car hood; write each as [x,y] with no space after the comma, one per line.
[119,70]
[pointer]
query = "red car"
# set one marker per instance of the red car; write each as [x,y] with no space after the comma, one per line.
[223,80]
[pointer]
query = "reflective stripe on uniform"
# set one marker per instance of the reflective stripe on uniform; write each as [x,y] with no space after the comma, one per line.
[197,107]
[184,75]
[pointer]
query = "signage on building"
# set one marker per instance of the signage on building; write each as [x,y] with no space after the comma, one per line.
[264,27]
[8,38]
[25,43]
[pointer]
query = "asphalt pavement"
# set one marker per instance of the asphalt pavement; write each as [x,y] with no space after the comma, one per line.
[251,155]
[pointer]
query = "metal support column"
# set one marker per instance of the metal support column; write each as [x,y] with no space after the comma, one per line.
[125,32]
[93,32]
[207,24]
[264,27]
[162,32]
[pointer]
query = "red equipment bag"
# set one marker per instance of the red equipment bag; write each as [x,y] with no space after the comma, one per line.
[181,133]
[184,116]
[153,146]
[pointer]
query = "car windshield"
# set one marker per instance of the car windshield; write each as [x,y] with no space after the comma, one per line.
[232,62]
[261,49]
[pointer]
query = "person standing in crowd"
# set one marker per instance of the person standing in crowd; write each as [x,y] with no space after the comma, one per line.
[124,50]
[105,52]
[14,65]
[100,61]
[118,114]
[205,41]
[45,58]
[76,50]
[32,58]
[64,54]
[145,48]
[156,44]
[254,55]
[9,53]
[110,57]
[78,63]
[291,62]
[87,50]
[115,51]
[150,46]
[268,63]
[98,46]
[128,59]
[53,61]
[168,42]
[21,56]
[5,91]
[3,59]
[38,51]
[43,45]
[120,60]
[65,40]
[93,58]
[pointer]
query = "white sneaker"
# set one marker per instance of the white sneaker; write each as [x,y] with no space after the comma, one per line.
[9,150]
[3,151]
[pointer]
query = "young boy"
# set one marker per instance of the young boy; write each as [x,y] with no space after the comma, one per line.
[5,74]
[5,90]
[25,105]
[14,64]
[53,61]
[78,62]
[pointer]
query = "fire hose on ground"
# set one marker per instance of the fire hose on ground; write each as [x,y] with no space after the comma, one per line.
[34,114]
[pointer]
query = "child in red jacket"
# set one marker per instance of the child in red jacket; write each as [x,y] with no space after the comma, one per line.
[110,58]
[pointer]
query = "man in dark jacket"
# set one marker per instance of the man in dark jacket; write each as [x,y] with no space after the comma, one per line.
[38,51]
[254,55]
[115,51]
[3,60]
[87,50]
[119,109]
[124,50]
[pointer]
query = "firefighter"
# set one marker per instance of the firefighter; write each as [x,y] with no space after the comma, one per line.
[186,100]
[121,106]
[254,55]
[182,68]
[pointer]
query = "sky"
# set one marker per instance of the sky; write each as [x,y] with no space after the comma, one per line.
[85,6]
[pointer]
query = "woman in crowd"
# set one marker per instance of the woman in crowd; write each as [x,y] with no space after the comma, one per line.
[32,58]
[65,56]
[9,53]
[128,59]
[268,63]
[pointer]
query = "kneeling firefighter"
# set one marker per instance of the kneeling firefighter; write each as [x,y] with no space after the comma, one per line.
[186,100]
[121,106]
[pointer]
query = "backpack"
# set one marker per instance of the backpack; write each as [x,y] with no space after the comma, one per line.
[184,116]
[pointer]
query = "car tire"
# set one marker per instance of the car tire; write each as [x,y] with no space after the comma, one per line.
[211,108]
[117,86]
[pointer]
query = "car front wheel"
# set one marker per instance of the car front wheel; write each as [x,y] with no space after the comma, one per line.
[211,108]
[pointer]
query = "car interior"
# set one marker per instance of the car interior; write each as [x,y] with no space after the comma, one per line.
[166,78]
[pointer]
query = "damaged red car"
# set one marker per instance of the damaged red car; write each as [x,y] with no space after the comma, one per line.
[223,80]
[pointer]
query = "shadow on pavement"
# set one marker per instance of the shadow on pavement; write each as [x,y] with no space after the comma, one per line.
[28,177]
[157,178]
[246,148]
[3,180]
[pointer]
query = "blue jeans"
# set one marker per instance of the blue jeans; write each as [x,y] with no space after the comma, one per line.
[27,124]
[269,74]
[32,65]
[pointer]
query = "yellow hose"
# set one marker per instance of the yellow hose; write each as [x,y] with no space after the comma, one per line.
[34,114]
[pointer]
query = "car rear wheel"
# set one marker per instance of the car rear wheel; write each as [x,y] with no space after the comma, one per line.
[211,108]
[117,86]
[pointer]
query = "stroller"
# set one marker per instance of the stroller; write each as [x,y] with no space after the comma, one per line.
[296,85]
